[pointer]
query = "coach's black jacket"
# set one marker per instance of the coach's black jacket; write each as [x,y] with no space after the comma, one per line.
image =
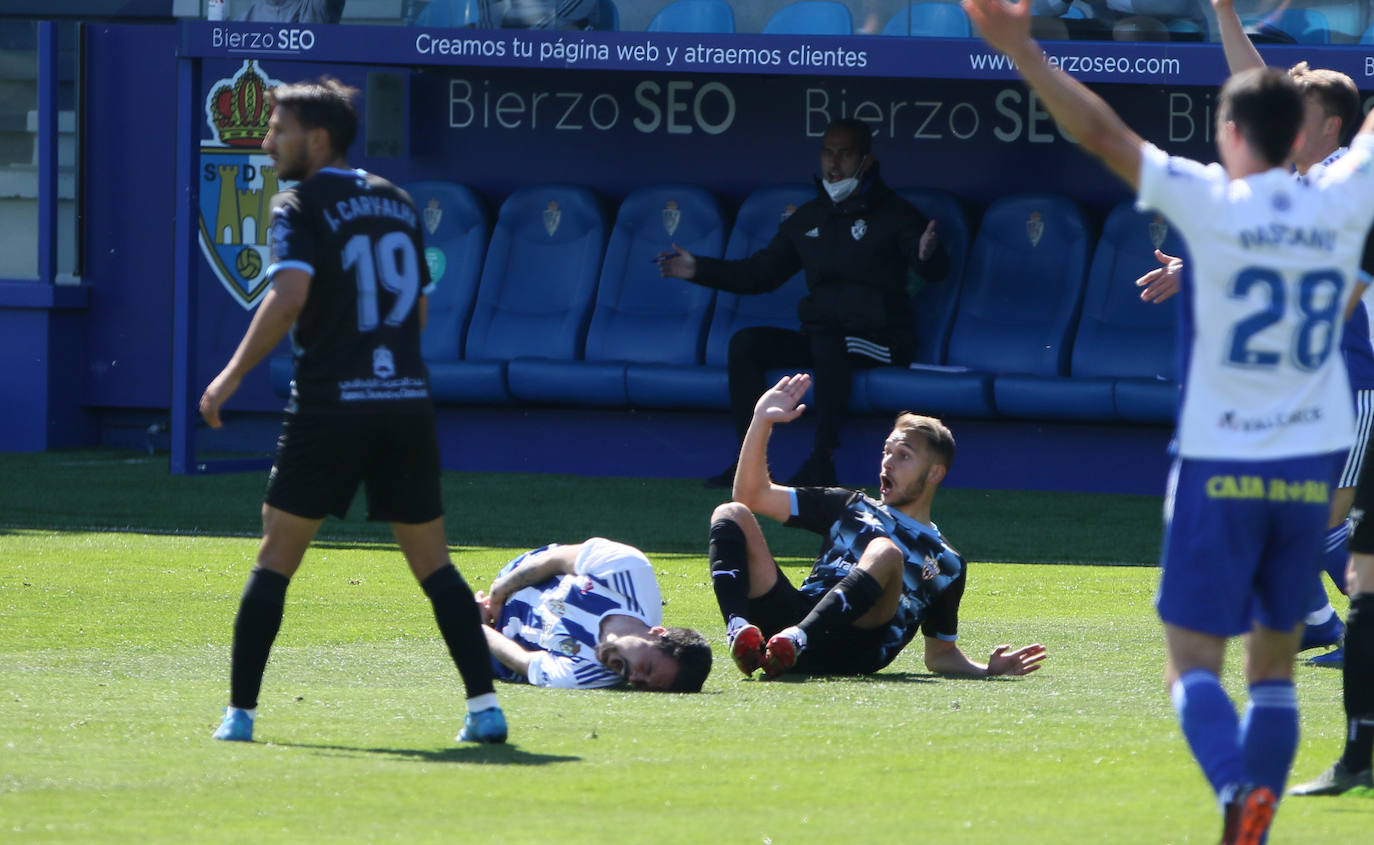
[856,255]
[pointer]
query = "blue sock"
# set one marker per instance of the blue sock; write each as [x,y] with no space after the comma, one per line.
[1209,724]
[1269,733]
[1337,554]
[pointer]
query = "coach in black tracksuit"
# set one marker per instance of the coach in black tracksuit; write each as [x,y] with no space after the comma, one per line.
[857,241]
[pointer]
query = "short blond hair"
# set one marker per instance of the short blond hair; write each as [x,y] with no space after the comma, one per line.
[1335,91]
[932,431]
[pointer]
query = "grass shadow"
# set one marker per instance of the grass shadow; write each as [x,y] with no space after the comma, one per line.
[504,754]
[883,678]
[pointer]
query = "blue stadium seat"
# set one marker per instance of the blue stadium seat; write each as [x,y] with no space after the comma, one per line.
[1120,336]
[1307,26]
[930,20]
[1119,339]
[538,285]
[936,302]
[640,319]
[694,16]
[707,386]
[1190,26]
[456,227]
[610,16]
[1022,291]
[811,17]
[450,13]
[1368,36]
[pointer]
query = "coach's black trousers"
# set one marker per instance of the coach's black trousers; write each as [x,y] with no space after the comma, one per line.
[754,351]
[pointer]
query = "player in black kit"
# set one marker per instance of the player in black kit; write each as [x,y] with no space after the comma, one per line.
[348,282]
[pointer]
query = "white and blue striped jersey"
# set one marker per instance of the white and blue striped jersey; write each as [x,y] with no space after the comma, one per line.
[1273,262]
[560,618]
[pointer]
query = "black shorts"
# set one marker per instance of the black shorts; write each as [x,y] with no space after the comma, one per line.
[321,459]
[1362,509]
[853,651]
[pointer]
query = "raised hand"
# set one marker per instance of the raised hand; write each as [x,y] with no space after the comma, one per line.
[678,264]
[929,240]
[781,402]
[1161,283]
[1003,25]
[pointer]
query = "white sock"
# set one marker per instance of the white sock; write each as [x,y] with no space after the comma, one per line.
[1317,617]
[482,702]
[252,714]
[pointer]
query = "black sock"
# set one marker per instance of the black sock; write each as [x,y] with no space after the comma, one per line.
[255,627]
[854,596]
[1358,674]
[728,553]
[456,612]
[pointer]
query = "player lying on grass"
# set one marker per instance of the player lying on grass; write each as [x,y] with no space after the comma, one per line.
[588,615]
[885,570]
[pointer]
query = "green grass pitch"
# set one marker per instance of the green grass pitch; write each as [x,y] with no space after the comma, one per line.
[118,586]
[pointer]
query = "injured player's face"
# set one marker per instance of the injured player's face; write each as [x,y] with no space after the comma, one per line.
[638,660]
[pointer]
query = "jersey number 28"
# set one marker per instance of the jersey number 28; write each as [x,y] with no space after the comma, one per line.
[1319,305]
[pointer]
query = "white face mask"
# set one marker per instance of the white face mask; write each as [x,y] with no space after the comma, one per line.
[841,190]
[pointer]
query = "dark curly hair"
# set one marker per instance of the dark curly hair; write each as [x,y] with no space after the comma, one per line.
[693,655]
[324,104]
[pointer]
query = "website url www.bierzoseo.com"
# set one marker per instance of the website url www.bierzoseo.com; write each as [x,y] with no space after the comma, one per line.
[1143,65]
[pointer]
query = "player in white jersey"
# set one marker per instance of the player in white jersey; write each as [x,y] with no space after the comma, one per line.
[588,615]
[1266,412]
[1331,114]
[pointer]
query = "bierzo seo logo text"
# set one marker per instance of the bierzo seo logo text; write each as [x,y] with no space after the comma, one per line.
[286,39]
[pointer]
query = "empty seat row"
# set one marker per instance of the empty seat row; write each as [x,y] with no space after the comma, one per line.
[560,301]
[805,17]
[929,18]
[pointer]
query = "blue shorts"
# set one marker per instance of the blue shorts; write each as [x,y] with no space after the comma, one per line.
[1243,542]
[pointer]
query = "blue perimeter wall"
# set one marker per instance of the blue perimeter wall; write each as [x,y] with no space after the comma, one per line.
[487,122]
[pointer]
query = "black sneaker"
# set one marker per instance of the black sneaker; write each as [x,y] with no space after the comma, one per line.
[1335,781]
[816,471]
[723,480]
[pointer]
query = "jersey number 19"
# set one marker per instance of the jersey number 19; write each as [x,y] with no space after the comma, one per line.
[390,261]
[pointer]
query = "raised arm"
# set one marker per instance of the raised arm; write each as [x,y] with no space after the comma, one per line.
[754,488]
[1079,111]
[1240,51]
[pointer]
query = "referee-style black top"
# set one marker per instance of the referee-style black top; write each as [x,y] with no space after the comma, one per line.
[356,344]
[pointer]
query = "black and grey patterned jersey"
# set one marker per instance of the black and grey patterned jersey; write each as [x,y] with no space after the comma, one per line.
[356,344]
[934,576]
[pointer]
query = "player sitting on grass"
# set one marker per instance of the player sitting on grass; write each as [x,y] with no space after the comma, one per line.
[588,615]
[885,571]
